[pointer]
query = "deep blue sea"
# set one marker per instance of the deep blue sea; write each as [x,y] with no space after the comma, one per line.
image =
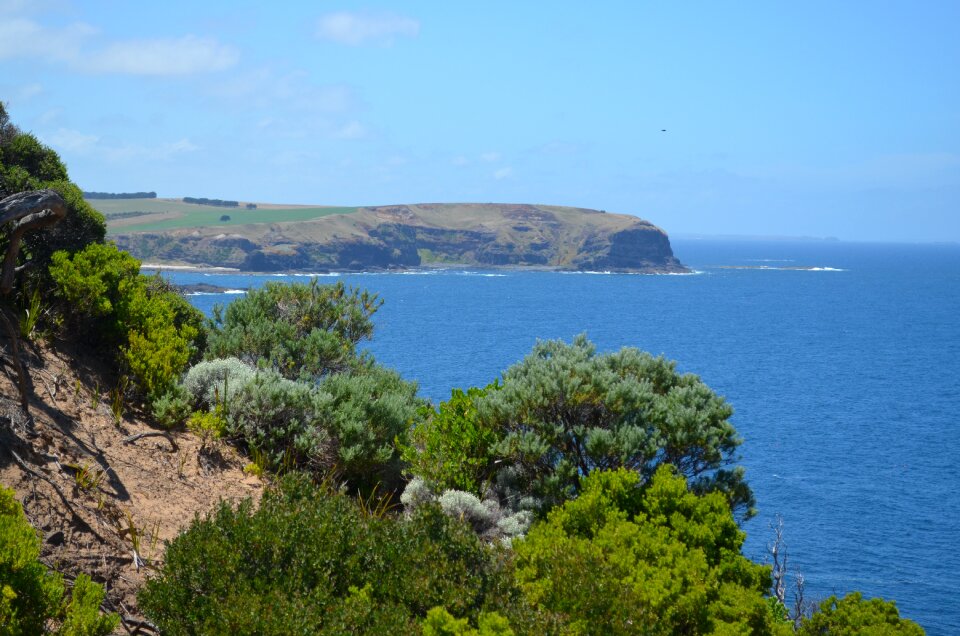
[845,380]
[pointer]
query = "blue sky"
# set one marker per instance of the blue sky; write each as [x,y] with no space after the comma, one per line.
[803,119]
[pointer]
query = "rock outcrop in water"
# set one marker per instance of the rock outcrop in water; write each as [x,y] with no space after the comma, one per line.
[405,236]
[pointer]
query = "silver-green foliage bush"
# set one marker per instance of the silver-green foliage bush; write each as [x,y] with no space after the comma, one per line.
[214,381]
[283,419]
[486,516]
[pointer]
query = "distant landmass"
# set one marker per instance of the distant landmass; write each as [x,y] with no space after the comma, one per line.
[268,237]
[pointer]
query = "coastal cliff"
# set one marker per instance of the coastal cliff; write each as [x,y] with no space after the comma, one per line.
[406,236]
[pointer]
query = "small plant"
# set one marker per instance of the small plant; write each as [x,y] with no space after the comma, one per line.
[135,534]
[209,425]
[86,478]
[172,408]
[30,314]
[376,507]
[116,399]
[181,463]
[95,396]
[253,468]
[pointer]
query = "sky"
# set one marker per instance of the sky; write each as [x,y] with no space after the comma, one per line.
[821,119]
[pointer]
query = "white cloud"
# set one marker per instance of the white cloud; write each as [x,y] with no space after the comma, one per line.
[502,173]
[25,38]
[490,157]
[73,141]
[354,29]
[351,130]
[264,88]
[169,56]
[460,161]
[29,91]
[75,47]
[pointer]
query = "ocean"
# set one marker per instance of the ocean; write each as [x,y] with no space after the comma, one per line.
[842,361]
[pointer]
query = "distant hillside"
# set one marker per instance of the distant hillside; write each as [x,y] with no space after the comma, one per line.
[275,238]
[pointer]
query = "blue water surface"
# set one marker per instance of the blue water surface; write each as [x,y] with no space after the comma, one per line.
[845,380]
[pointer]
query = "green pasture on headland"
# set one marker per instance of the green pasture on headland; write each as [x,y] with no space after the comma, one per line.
[190,215]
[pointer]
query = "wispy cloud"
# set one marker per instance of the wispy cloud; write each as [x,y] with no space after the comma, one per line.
[490,157]
[354,29]
[503,173]
[75,142]
[76,47]
[351,130]
[25,38]
[185,55]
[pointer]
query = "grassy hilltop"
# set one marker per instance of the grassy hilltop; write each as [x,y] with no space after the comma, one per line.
[276,237]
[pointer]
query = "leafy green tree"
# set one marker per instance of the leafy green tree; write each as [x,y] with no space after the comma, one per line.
[626,559]
[309,560]
[302,331]
[565,411]
[32,599]
[26,164]
[854,616]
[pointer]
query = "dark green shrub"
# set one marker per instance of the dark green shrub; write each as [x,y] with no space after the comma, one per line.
[26,164]
[312,561]
[300,331]
[32,599]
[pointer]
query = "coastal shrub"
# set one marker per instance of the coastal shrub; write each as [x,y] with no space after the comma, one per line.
[302,331]
[854,616]
[565,411]
[155,332]
[486,516]
[369,414]
[453,449]
[348,423]
[309,560]
[172,408]
[212,381]
[627,559]
[33,600]
[283,420]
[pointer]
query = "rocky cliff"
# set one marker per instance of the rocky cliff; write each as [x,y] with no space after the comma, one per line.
[404,236]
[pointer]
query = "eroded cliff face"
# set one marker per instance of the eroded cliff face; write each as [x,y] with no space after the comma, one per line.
[394,237]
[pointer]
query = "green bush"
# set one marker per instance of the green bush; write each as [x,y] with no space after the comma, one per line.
[300,331]
[565,411]
[369,414]
[308,560]
[621,559]
[853,616]
[283,420]
[26,164]
[172,408]
[32,599]
[453,449]
[155,332]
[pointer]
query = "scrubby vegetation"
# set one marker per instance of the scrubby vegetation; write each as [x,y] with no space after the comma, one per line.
[581,493]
